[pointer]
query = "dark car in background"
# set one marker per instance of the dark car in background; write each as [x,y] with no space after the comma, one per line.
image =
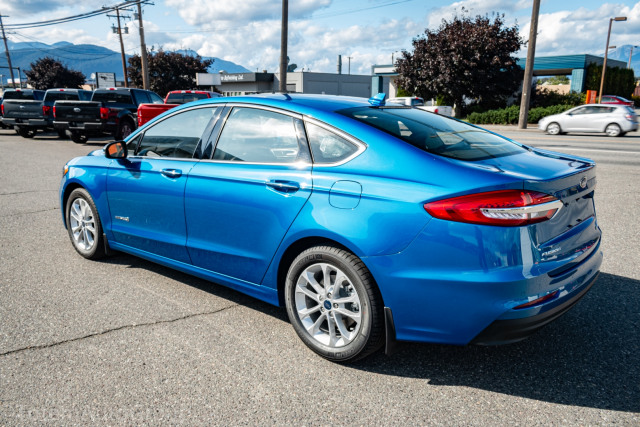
[17,95]
[111,111]
[30,116]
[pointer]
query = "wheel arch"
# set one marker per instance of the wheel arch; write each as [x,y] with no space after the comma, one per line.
[65,197]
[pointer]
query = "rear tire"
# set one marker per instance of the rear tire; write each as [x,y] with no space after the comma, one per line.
[79,138]
[613,130]
[334,304]
[83,224]
[25,132]
[125,128]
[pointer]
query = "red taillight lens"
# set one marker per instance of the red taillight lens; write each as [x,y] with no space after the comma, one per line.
[2,109]
[104,113]
[54,111]
[46,110]
[538,301]
[504,208]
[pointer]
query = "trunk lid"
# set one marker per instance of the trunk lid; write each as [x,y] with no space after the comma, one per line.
[77,111]
[22,109]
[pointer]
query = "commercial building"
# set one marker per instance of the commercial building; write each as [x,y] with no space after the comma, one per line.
[297,82]
[384,76]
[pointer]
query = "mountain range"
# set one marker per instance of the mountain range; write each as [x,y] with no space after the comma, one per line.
[86,58]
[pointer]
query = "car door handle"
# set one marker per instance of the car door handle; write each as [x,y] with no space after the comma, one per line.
[171,173]
[284,186]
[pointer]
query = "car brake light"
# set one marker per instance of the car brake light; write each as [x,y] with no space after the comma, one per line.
[435,111]
[46,110]
[2,109]
[508,208]
[54,111]
[104,113]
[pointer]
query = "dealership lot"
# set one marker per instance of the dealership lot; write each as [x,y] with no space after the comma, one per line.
[127,341]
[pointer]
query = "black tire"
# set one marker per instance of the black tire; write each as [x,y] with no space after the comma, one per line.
[367,333]
[62,134]
[613,130]
[79,138]
[125,128]
[25,132]
[554,128]
[82,223]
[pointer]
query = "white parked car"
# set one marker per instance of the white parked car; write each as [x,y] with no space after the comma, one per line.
[417,102]
[614,120]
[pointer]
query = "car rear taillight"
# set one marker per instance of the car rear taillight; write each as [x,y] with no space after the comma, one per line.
[1,109]
[104,113]
[508,208]
[54,111]
[46,110]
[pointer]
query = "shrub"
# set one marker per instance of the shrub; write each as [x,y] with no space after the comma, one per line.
[636,100]
[510,115]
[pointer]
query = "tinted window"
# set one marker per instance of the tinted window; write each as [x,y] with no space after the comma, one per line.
[581,110]
[435,134]
[61,96]
[176,136]
[174,98]
[142,97]
[15,94]
[112,97]
[155,99]
[327,147]
[259,136]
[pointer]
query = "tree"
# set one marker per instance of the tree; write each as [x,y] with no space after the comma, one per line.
[168,70]
[47,73]
[617,81]
[465,57]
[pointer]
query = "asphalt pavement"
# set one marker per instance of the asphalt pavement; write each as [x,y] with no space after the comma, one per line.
[124,341]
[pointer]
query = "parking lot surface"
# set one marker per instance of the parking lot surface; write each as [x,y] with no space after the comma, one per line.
[125,341]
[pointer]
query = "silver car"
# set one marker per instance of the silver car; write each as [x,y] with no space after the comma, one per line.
[614,120]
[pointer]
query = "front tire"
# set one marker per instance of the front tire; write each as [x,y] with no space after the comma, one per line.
[553,129]
[79,138]
[83,224]
[25,132]
[613,130]
[334,305]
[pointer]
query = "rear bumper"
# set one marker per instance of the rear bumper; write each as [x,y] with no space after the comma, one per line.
[95,127]
[514,330]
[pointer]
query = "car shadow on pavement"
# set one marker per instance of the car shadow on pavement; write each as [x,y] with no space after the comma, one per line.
[589,357]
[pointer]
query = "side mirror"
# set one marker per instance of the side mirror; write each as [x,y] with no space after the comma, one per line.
[116,150]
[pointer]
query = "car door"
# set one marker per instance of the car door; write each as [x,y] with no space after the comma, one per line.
[240,204]
[576,120]
[146,190]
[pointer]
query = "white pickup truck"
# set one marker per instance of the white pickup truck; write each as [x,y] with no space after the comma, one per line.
[417,102]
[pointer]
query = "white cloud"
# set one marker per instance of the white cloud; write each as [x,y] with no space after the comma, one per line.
[477,7]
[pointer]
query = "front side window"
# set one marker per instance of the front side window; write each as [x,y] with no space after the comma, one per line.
[155,99]
[259,136]
[176,136]
[435,134]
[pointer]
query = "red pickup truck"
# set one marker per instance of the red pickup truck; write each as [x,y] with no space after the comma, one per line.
[174,98]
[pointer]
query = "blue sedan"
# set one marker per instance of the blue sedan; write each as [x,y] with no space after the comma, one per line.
[371,224]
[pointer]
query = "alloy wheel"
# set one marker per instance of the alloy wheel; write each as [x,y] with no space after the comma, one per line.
[82,222]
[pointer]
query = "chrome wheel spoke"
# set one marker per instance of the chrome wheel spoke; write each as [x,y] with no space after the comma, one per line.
[355,316]
[345,300]
[346,334]
[332,330]
[307,312]
[309,277]
[315,326]
[304,290]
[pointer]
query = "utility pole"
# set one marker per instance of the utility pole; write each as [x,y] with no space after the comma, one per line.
[124,60]
[6,50]
[528,71]
[349,58]
[606,51]
[283,46]
[143,51]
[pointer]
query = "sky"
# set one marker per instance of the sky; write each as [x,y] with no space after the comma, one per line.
[247,32]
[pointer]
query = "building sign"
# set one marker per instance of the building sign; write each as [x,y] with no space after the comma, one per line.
[207,79]
[246,77]
[105,80]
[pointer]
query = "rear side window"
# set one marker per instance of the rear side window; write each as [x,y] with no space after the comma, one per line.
[155,99]
[326,146]
[113,97]
[435,134]
[259,136]
[19,94]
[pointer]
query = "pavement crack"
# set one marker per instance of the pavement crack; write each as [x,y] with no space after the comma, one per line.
[119,328]
[35,212]
[28,191]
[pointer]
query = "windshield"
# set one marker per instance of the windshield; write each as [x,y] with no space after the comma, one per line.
[19,94]
[61,96]
[435,134]
[112,97]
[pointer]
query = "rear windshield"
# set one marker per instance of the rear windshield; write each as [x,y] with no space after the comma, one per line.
[61,96]
[21,94]
[112,97]
[183,98]
[435,134]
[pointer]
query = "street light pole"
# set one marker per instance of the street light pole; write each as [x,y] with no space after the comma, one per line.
[630,55]
[606,51]
[283,46]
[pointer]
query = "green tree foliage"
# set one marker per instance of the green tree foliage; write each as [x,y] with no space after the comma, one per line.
[47,73]
[168,70]
[617,81]
[465,57]
[555,80]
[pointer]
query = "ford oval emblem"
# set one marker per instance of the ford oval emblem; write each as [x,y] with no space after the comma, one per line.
[583,182]
[76,110]
[22,107]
